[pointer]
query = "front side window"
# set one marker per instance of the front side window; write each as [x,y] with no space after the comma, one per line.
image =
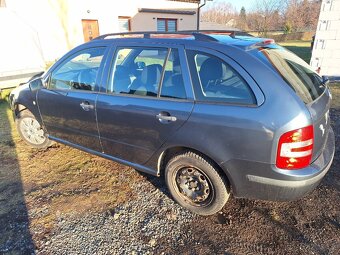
[79,71]
[147,72]
[218,81]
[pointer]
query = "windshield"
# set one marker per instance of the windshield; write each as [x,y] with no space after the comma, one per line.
[297,73]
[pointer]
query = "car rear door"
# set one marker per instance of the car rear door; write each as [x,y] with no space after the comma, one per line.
[67,104]
[147,98]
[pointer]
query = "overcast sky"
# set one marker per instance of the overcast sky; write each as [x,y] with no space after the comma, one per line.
[248,4]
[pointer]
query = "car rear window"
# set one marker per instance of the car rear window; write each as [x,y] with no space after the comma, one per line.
[297,73]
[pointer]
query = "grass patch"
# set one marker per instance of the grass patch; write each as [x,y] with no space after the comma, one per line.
[4,94]
[300,48]
[335,89]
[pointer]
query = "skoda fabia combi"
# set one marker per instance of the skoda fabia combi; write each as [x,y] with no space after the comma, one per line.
[214,114]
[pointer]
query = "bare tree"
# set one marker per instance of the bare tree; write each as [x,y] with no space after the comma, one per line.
[267,15]
[302,14]
[220,12]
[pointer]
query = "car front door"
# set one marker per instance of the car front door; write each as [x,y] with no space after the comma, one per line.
[148,98]
[67,104]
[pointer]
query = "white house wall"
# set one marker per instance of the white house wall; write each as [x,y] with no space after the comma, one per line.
[20,50]
[58,23]
[326,50]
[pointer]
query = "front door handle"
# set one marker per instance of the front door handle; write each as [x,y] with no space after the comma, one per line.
[165,117]
[86,106]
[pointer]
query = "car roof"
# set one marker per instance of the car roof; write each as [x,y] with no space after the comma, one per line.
[233,38]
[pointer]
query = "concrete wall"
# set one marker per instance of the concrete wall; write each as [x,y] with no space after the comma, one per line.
[326,50]
[59,27]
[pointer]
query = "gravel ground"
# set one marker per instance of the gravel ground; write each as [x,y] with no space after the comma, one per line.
[149,222]
[132,228]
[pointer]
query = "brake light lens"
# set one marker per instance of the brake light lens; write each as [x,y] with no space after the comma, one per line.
[295,148]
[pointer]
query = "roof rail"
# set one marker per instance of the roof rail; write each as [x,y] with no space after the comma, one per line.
[200,35]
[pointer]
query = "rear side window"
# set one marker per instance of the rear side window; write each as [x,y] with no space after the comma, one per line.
[217,81]
[297,73]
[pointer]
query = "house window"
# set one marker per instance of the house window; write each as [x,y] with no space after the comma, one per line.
[124,24]
[167,25]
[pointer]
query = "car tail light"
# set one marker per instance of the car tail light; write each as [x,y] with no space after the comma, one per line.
[295,148]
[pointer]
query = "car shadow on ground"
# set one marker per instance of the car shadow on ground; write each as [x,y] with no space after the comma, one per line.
[157,182]
[15,236]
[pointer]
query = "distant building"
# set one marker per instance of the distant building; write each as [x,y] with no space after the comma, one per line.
[326,48]
[38,31]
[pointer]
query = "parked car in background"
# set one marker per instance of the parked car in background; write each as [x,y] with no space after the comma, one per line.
[213,114]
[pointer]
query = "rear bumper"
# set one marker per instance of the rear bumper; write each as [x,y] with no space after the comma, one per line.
[264,181]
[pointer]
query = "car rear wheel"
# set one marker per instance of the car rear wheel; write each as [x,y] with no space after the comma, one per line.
[30,130]
[195,183]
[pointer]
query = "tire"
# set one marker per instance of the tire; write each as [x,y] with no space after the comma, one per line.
[195,183]
[31,131]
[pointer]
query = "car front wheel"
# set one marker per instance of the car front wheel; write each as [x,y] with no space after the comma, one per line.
[195,183]
[30,130]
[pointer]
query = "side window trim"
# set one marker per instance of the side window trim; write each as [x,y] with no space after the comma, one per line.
[259,96]
[160,85]
[70,56]
[112,68]
[107,72]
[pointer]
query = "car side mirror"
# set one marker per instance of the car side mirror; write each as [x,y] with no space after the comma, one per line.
[36,84]
[140,65]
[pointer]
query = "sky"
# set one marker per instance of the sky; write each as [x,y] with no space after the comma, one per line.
[248,4]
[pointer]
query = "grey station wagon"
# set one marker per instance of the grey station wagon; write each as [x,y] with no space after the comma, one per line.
[213,113]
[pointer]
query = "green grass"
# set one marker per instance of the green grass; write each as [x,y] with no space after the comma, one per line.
[5,93]
[300,48]
[335,89]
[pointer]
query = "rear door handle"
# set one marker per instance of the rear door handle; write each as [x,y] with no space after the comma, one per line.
[86,106]
[167,118]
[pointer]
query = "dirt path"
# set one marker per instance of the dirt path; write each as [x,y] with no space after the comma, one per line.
[63,201]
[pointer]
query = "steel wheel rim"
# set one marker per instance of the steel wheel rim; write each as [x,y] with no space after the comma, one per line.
[194,186]
[31,130]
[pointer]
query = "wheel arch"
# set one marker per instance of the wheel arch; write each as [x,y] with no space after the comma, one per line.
[19,108]
[170,152]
